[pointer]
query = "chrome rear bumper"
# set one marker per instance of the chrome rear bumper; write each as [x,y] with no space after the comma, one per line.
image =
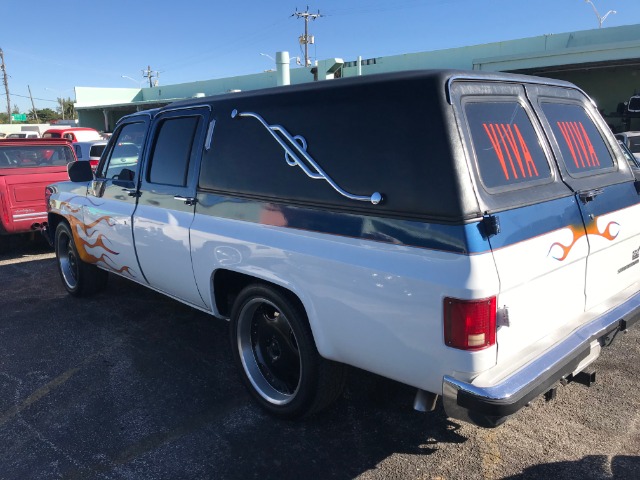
[489,406]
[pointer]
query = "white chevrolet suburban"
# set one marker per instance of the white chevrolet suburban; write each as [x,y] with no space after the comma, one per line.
[475,236]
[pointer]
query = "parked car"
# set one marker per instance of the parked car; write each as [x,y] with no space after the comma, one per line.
[474,235]
[634,162]
[27,166]
[24,135]
[631,141]
[73,134]
[90,151]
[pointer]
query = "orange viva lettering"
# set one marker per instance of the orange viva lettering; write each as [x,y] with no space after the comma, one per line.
[509,144]
[531,166]
[579,144]
[493,138]
[567,138]
[592,152]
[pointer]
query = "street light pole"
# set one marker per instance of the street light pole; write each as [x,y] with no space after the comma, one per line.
[139,82]
[600,19]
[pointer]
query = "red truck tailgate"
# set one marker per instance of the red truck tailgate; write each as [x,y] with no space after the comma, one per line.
[22,201]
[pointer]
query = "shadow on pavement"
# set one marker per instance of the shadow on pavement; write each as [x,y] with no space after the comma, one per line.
[621,467]
[130,384]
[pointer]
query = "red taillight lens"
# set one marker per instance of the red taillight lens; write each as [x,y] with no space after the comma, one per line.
[470,324]
[94,163]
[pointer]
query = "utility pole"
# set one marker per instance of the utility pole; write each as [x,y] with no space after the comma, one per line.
[150,74]
[306,39]
[6,84]
[33,106]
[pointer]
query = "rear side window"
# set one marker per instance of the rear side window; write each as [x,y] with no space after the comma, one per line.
[634,144]
[28,156]
[507,148]
[96,150]
[173,151]
[582,147]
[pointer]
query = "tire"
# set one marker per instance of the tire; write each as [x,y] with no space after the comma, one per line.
[277,357]
[79,278]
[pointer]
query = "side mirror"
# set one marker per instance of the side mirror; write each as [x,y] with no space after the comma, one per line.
[80,171]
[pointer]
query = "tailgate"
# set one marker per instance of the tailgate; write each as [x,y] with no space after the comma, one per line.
[22,197]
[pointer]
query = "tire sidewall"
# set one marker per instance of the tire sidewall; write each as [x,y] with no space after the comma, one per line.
[64,229]
[304,397]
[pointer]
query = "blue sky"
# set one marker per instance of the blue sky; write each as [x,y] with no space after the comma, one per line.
[55,46]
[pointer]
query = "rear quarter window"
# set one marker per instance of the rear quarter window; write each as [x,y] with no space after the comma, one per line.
[582,147]
[508,151]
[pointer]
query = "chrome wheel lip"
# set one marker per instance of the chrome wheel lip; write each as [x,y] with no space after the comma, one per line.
[67,261]
[248,355]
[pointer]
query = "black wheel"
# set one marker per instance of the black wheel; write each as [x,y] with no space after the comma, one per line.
[274,347]
[79,278]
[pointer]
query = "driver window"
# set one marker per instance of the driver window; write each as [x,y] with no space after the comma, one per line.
[125,153]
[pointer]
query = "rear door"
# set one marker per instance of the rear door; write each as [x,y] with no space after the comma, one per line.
[603,184]
[522,194]
[166,206]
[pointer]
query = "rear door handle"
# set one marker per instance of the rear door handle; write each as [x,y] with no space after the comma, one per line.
[187,200]
[587,196]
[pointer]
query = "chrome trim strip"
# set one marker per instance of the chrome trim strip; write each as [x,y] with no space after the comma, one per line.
[22,216]
[300,144]
[209,138]
[532,375]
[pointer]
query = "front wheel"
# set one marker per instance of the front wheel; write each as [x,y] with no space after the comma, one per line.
[79,278]
[274,347]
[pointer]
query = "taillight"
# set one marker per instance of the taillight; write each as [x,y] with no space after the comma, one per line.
[470,324]
[94,163]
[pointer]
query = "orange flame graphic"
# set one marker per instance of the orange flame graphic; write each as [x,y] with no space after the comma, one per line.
[579,232]
[83,235]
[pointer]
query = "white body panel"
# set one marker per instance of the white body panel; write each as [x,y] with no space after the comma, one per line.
[611,265]
[540,292]
[164,253]
[372,305]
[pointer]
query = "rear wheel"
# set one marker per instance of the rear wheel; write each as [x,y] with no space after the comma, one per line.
[274,347]
[79,278]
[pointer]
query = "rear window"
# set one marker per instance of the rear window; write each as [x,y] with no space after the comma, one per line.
[52,135]
[583,148]
[507,148]
[96,150]
[35,156]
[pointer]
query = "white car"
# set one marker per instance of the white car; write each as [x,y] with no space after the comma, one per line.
[631,140]
[24,135]
[90,151]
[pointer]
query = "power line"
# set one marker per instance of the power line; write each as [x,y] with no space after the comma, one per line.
[35,98]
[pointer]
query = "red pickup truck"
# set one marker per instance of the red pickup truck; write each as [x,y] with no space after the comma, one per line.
[27,166]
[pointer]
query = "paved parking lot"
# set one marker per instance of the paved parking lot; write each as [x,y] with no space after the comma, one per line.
[131,385]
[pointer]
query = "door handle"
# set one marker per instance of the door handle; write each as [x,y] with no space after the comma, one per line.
[187,200]
[132,192]
[587,196]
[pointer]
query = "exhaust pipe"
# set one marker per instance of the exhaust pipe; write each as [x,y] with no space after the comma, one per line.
[425,401]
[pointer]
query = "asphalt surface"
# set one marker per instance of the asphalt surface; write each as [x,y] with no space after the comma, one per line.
[131,385]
